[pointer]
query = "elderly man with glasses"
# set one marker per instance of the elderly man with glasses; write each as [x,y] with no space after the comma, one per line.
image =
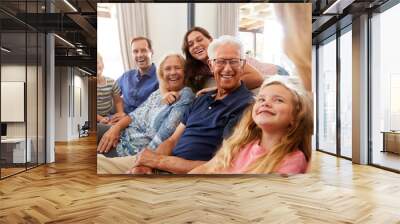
[210,118]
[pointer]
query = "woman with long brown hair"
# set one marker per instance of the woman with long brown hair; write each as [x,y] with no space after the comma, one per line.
[195,48]
[273,136]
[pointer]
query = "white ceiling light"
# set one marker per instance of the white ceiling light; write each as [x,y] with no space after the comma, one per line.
[84,71]
[337,7]
[65,41]
[5,50]
[70,5]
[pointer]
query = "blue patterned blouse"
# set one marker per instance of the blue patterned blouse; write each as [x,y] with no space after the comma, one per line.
[153,122]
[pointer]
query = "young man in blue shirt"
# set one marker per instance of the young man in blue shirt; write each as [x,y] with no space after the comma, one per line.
[137,84]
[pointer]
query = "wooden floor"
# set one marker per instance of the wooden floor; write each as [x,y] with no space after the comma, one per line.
[10,171]
[387,159]
[69,191]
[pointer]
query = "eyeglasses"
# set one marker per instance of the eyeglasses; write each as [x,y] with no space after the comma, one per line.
[234,62]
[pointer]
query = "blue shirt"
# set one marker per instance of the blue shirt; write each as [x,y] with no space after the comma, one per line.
[136,87]
[207,121]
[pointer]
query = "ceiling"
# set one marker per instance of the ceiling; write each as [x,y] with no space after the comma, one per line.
[74,22]
[332,15]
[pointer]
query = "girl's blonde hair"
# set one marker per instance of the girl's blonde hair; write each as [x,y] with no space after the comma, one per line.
[160,74]
[247,131]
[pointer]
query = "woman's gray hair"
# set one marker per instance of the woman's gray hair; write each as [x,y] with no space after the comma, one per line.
[225,39]
[160,73]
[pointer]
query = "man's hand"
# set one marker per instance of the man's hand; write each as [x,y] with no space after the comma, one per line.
[117,117]
[205,90]
[109,140]
[170,97]
[147,158]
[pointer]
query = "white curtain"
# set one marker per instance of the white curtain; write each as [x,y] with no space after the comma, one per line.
[227,19]
[132,22]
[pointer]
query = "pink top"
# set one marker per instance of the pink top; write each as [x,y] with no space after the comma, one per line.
[293,163]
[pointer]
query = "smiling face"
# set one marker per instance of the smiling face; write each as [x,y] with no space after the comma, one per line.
[173,73]
[227,76]
[198,45]
[141,55]
[273,109]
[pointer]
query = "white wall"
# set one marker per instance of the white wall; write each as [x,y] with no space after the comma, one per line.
[79,94]
[67,116]
[206,17]
[61,103]
[167,24]
[34,124]
[15,73]
[85,99]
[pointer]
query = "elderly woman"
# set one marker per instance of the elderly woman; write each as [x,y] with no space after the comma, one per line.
[195,48]
[154,121]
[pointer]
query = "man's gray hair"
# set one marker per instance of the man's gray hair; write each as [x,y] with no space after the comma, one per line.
[225,39]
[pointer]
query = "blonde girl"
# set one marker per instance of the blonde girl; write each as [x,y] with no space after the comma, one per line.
[273,136]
